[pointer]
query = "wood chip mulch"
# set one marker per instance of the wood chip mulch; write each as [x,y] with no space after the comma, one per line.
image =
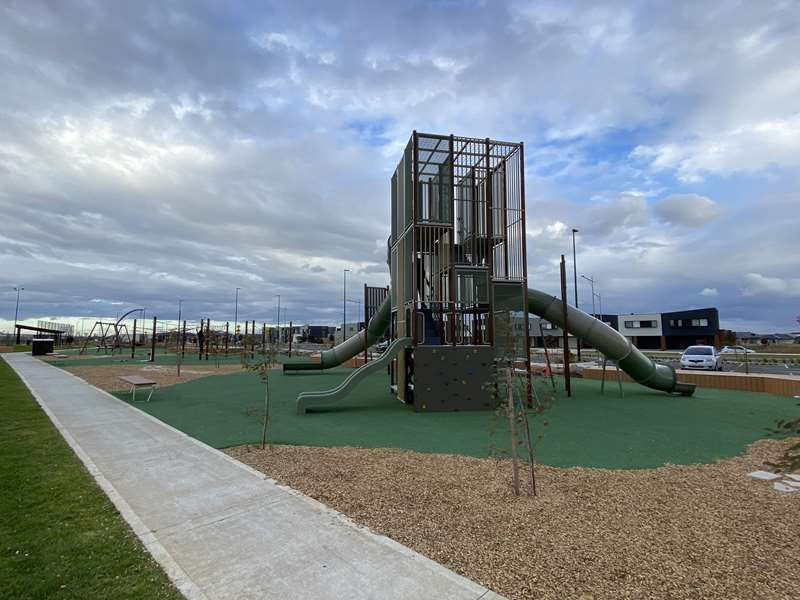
[699,531]
[106,377]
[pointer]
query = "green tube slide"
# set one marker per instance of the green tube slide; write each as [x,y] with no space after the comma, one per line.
[610,342]
[351,346]
[594,332]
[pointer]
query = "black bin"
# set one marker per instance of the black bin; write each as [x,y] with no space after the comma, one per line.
[41,346]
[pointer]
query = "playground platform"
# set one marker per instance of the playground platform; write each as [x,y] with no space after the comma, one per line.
[219,528]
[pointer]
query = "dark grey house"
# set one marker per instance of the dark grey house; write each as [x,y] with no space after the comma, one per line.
[689,327]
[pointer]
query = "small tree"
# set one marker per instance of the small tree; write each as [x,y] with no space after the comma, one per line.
[510,392]
[262,368]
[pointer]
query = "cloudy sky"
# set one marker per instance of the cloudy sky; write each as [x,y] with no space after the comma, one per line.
[151,151]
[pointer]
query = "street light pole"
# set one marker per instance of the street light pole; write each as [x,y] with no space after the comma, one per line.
[600,304]
[575,280]
[591,281]
[278,341]
[17,289]
[344,303]
[179,345]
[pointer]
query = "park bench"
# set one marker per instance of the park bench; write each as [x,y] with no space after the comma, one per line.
[136,382]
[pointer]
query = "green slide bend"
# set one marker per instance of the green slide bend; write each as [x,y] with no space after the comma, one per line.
[610,342]
[308,400]
[351,346]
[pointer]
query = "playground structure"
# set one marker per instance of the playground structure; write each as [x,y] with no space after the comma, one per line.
[457,262]
[57,331]
[110,337]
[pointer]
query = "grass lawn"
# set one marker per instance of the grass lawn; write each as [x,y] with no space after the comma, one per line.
[643,430]
[60,536]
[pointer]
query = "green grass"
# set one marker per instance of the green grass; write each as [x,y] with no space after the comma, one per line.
[60,536]
[645,429]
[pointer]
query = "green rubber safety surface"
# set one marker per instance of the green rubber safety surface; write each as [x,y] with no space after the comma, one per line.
[90,358]
[645,429]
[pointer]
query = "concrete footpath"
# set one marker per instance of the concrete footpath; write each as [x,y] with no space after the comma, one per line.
[219,528]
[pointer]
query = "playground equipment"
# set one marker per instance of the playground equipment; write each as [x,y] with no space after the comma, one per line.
[308,400]
[457,263]
[112,336]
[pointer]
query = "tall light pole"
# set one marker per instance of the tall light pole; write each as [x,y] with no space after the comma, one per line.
[344,303]
[179,345]
[17,289]
[359,313]
[236,312]
[600,304]
[590,280]
[279,319]
[575,279]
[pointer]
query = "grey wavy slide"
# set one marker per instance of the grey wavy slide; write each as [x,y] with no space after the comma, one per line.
[607,340]
[308,400]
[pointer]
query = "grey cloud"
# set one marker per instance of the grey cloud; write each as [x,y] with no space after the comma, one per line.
[687,209]
[143,145]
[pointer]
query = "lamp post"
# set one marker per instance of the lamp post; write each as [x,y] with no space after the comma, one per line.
[591,281]
[17,289]
[344,304]
[179,346]
[278,341]
[358,302]
[600,304]
[575,280]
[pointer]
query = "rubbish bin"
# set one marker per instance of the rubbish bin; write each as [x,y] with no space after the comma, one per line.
[41,346]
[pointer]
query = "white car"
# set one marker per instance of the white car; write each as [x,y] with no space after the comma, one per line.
[736,350]
[701,357]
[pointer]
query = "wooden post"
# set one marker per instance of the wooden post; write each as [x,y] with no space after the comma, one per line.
[291,336]
[547,357]
[208,335]
[567,382]
[153,342]
[603,376]
[133,342]
[489,242]
[512,426]
[227,336]
[264,340]
[366,309]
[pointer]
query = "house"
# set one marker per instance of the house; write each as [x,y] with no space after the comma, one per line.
[686,328]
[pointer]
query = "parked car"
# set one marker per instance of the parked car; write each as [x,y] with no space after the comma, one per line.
[382,346]
[701,357]
[736,349]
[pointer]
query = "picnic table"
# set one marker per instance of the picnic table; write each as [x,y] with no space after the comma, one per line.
[136,382]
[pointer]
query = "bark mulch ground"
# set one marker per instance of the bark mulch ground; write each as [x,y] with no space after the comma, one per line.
[696,531]
[106,377]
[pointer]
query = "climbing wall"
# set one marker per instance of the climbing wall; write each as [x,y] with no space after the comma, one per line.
[448,378]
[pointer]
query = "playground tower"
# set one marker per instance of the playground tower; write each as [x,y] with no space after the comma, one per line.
[458,269]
